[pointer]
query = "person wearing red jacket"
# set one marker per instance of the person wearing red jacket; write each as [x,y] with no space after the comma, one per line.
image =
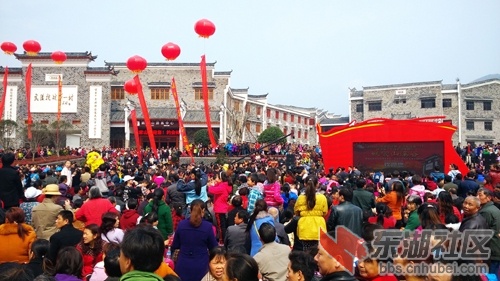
[221,188]
[130,216]
[92,210]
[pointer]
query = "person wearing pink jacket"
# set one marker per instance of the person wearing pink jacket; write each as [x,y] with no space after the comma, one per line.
[272,190]
[221,188]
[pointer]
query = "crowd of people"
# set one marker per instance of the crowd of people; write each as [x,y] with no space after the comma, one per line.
[257,219]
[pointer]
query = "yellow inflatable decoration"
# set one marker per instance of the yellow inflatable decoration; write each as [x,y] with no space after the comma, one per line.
[94,160]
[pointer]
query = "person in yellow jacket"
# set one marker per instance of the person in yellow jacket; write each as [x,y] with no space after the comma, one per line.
[312,208]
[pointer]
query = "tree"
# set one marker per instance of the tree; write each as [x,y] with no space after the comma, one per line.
[201,136]
[271,134]
[59,131]
[40,136]
[7,128]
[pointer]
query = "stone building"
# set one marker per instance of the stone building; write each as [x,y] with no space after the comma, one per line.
[97,107]
[471,107]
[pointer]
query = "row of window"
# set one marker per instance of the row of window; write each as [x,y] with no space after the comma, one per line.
[488,125]
[258,111]
[163,93]
[424,103]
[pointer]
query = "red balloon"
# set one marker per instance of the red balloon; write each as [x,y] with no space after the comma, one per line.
[59,57]
[170,51]
[9,48]
[136,64]
[204,28]
[32,47]
[130,87]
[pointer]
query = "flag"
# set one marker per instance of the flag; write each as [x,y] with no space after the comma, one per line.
[182,130]
[205,99]
[2,102]
[145,113]
[28,98]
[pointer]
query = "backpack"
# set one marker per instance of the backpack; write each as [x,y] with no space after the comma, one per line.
[377,176]
[101,183]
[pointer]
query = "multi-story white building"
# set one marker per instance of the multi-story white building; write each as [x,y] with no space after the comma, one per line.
[473,108]
[97,107]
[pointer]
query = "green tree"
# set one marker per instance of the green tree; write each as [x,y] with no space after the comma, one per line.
[59,131]
[271,134]
[201,136]
[40,136]
[7,128]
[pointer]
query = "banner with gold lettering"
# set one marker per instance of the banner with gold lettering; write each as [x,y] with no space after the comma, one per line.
[59,97]
[28,98]
[2,103]
[182,130]
[133,116]
[204,85]
[145,114]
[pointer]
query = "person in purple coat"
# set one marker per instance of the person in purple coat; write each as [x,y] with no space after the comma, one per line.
[194,239]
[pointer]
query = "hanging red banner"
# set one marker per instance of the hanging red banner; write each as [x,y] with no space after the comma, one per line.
[136,136]
[28,98]
[145,114]
[205,100]
[59,98]
[182,130]
[2,103]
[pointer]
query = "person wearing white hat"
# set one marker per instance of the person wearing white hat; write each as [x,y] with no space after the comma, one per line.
[44,214]
[31,193]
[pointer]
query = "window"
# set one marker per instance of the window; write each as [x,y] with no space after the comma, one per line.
[236,105]
[488,125]
[487,105]
[470,125]
[160,93]
[258,110]
[247,125]
[428,103]
[299,119]
[198,94]
[300,134]
[305,135]
[359,107]
[398,101]
[284,116]
[375,106]
[469,105]
[446,103]
[277,115]
[258,128]
[117,93]
[284,131]
[292,117]
[305,121]
[247,108]
[268,113]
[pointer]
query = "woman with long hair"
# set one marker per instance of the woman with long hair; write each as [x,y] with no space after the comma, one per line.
[446,207]
[394,200]
[383,216]
[221,188]
[16,237]
[258,217]
[69,265]
[159,207]
[110,231]
[91,248]
[312,208]
[194,185]
[429,216]
[193,240]
[37,254]
[272,189]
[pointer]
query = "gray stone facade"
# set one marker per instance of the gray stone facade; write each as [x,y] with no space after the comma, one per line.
[412,100]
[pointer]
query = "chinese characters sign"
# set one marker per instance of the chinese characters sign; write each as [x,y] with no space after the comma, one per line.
[10,112]
[44,99]
[95,112]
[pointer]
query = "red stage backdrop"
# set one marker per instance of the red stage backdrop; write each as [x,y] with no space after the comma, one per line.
[384,144]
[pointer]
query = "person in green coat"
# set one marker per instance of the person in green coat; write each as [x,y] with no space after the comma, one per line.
[414,201]
[158,206]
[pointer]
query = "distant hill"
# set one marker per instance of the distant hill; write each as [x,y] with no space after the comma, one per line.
[487,77]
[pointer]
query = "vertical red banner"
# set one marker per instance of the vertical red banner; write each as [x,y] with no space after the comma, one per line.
[204,85]
[145,113]
[28,99]
[59,98]
[2,103]
[136,136]
[185,141]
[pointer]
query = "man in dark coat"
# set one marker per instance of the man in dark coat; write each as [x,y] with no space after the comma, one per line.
[492,215]
[363,198]
[67,235]
[468,186]
[11,189]
[346,214]
[472,218]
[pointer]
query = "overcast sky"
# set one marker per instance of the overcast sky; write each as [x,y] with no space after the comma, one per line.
[303,53]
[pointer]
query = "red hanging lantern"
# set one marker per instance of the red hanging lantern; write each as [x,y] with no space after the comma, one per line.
[130,87]
[136,64]
[204,28]
[9,48]
[32,47]
[170,51]
[58,56]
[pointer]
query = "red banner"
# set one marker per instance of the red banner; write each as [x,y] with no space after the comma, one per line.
[182,130]
[2,103]
[136,135]
[205,99]
[59,98]
[145,113]
[28,98]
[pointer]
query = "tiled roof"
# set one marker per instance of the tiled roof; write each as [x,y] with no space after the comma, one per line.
[199,116]
[160,84]
[223,72]
[449,86]
[167,113]
[198,84]
[402,85]
[356,94]
[100,70]
[69,55]
[124,64]
[257,96]
[332,121]
[244,90]
[12,70]
[481,82]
